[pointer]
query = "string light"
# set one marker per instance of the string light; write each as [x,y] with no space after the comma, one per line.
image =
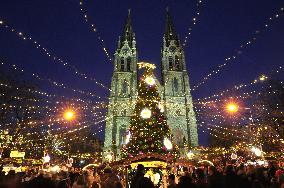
[261,79]
[194,20]
[94,29]
[49,54]
[54,83]
[240,49]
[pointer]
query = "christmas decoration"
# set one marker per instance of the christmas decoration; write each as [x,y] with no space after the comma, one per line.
[168,144]
[148,128]
[128,136]
[243,46]
[161,107]
[256,151]
[150,80]
[46,159]
[146,113]
[234,156]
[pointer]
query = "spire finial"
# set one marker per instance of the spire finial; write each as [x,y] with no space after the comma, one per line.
[127,34]
[169,33]
[169,24]
[128,20]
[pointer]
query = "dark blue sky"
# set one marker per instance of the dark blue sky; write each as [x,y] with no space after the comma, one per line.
[222,27]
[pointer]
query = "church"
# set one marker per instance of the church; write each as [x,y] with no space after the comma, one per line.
[174,89]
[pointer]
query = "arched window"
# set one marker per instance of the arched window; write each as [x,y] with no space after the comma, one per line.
[122,64]
[128,63]
[170,62]
[177,63]
[175,84]
[124,87]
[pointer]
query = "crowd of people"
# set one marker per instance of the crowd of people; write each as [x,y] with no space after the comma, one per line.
[204,177]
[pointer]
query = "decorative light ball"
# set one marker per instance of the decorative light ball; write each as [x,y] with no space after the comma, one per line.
[168,144]
[146,113]
[234,156]
[127,139]
[161,107]
[150,80]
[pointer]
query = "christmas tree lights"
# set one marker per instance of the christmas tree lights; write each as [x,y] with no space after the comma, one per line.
[148,131]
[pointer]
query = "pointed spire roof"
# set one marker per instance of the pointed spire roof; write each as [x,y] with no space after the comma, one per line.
[170,33]
[128,33]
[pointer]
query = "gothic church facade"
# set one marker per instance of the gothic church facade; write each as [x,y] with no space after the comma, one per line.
[174,89]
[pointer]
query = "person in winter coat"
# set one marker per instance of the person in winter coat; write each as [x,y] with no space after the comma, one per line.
[139,181]
[109,179]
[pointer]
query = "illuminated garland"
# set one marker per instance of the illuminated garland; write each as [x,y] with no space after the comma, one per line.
[99,103]
[238,51]
[148,130]
[49,54]
[195,19]
[94,29]
[54,83]
[244,134]
[261,79]
[82,124]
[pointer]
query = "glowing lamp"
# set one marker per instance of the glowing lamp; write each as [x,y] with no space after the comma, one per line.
[157,178]
[150,80]
[55,168]
[69,115]
[146,113]
[168,144]
[263,77]
[231,107]
[256,151]
[127,139]
[46,159]
[109,157]
[161,107]
[190,155]
[234,156]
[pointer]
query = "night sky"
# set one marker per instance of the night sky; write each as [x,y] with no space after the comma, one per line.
[222,26]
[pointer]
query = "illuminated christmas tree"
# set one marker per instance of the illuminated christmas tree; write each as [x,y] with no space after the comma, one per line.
[148,130]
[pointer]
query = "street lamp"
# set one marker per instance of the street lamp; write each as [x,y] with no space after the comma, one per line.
[69,115]
[232,107]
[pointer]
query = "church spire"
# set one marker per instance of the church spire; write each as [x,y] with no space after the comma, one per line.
[128,34]
[170,33]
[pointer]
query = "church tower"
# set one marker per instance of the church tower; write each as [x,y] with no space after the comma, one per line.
[178,101]
[123,89]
